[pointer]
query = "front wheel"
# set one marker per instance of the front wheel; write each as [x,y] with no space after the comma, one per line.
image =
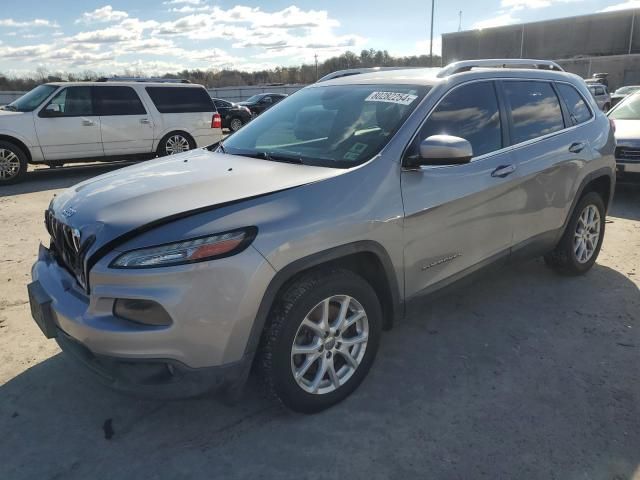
[322,340]
[580,245]
[175,142]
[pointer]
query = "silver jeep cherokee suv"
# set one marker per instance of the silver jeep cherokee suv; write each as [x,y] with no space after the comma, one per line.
[293,243]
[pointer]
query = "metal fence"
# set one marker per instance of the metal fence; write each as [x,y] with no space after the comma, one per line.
[231,94]
[8,97]
[238,94]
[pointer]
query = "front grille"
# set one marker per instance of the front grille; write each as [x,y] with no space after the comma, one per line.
[68,246]
[628,153]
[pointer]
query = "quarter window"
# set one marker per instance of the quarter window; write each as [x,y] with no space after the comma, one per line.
[470,112]
[535,109]
[118,101]
[70,102]
[578,110]
[181,99]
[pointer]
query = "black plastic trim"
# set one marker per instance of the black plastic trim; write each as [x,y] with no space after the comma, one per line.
[316,259]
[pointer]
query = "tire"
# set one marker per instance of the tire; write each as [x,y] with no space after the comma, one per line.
[13,163]
[305,299]
[567,258]
[172,142]
[235,124]
[606,107]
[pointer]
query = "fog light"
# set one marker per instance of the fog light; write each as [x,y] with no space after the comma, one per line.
[146,312]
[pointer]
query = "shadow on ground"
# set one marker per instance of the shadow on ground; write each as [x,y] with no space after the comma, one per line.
[627,200]
[43,179]
[523,374]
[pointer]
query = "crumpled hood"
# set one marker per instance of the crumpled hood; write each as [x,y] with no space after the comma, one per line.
[628,132]
[116,203]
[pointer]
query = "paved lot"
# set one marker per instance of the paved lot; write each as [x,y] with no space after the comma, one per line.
[521,375]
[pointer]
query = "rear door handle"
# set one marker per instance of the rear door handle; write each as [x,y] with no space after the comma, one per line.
[146,121]
[577,147]
[503,170]
[88,123]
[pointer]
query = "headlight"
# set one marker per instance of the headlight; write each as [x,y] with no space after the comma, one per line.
[188,251]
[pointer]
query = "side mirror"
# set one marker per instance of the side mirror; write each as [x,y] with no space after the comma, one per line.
[52,109]
[443,150]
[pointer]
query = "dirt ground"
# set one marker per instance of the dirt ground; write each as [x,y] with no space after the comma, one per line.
[523,374]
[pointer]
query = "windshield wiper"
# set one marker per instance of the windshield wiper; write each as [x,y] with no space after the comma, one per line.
[283,157]
[274,157]
[11,108]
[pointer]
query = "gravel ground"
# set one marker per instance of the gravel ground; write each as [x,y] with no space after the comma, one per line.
[521,375]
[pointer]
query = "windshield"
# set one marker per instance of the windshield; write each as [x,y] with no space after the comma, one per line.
[626,90]
[628,109]
[32,99]
[254,98]
[336,126]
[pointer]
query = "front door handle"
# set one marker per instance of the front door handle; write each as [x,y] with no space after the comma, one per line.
[503,170]
[88,123]
[146,121]
[577,147]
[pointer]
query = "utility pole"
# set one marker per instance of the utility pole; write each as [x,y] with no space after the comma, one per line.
[460,21]
[316,57]
[433,6]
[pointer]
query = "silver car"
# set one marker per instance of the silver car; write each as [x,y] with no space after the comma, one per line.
[626,118]
[601,96]
[295,242]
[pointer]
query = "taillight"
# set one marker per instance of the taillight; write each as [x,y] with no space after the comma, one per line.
[216,121]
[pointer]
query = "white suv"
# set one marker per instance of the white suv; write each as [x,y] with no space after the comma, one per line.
[58,123]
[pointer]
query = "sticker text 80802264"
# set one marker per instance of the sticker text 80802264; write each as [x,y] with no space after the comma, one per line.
[391,97]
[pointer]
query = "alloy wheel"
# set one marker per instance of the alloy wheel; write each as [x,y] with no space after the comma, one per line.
[587,234]
[176,144]
[9,164]
[329,344]
[236,124]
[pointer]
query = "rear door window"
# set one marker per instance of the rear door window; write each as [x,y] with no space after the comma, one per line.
[534,108]
[181,99]
[470,112]
[118,101]
[578,110]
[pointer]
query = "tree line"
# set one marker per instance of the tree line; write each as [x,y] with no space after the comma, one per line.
[213,78]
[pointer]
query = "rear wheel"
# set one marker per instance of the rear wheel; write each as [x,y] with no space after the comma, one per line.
[322,340]
[235,124]
[175,142]
[580,245]
[13,163]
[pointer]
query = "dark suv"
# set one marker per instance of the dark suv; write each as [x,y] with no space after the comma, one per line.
[262,101]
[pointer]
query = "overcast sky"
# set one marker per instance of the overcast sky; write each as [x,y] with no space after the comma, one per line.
[158,37]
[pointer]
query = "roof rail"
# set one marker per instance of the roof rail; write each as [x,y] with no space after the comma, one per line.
[141,79]
[466,65]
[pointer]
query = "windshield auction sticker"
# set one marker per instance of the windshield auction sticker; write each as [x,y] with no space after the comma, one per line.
[391,97]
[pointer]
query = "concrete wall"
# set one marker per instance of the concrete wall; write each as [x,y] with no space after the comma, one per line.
[622,69]
[589,35]
[232,94]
